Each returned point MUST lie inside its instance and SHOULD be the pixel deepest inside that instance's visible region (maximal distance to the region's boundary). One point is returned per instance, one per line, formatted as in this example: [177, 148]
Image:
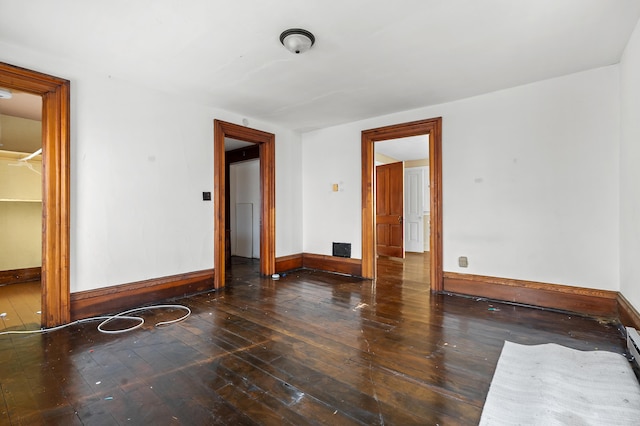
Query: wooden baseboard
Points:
[17, 276]
[629, 316]
[341, 265]
[320, 262]
[593, 302]
[289, 263]
[587, 301]
[118, 298]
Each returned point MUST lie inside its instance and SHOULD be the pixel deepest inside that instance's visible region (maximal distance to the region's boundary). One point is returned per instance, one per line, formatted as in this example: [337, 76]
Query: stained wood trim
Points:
[629, 316]
[554, 296]
[117, 298]
[55, 94]
[268, 213]
[219, 199]
[289, 263]
[326, 263]
[432, 127]
[368, 208]
[435, 182]
[319, 262]
[17, 276]
[222, 129]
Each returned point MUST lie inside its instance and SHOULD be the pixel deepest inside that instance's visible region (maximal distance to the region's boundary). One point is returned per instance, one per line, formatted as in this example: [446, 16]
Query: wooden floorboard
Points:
[311, 348]
[21, 304]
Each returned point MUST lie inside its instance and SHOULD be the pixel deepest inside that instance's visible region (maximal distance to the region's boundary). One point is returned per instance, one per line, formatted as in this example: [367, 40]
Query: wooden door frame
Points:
[432, 127]
[266, 141]
[55, 93]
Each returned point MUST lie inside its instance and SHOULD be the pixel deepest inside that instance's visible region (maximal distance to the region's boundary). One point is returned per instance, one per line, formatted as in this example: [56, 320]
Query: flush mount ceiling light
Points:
[297, 40]
[5, 94]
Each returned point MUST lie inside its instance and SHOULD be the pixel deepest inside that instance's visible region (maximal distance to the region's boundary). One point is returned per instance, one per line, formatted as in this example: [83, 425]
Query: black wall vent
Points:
[342, 249]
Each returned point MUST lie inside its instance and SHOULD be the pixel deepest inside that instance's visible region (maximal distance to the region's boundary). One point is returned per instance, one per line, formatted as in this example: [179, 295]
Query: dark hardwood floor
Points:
[310, 348]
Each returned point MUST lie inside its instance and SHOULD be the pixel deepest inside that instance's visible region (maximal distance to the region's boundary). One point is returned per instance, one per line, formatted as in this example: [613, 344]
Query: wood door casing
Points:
[390, 210]
[55, 92]
[266, 143]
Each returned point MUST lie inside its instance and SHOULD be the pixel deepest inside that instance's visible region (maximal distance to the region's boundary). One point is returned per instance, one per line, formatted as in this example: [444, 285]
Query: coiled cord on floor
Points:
[108, 319]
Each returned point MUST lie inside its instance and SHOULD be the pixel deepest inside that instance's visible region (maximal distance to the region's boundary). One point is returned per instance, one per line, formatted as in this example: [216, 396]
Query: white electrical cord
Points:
[107, 319]
[24, 161]
[30, 156]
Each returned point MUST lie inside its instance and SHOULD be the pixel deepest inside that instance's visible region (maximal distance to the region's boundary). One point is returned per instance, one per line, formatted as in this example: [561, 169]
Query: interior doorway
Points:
[432, 128]
[266, 146]
[20, 210]
[243, 213]
[409, 199]
[54, 92]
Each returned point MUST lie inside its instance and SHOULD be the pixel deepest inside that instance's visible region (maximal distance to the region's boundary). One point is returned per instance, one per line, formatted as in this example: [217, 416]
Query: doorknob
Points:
[399, 219]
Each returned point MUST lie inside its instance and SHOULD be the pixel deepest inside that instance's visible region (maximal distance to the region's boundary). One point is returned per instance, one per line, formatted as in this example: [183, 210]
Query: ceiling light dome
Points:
[297, 40]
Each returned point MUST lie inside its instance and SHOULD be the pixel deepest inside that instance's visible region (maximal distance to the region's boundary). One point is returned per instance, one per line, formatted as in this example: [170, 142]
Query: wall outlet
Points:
[463, 262]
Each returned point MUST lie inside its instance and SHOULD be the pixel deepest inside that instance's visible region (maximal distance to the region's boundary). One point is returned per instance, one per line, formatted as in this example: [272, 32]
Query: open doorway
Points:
[54, 93]
[409, 198]
[266, 146]
[20, 210]
[243, 214]
[432, 128]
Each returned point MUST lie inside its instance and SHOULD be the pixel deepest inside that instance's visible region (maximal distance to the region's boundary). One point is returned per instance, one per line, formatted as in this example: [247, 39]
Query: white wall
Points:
[288, 191]
[331, 156]
[140, 160]
[630, 171]
[530, 181]
[244, 182]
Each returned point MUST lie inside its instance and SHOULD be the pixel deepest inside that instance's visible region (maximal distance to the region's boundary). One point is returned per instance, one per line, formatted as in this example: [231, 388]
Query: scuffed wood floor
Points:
[310, 348]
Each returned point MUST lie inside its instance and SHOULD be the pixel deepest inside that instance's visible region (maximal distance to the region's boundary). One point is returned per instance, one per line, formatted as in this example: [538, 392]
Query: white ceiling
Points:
[405, 149]
[370, 58]
[23, 105]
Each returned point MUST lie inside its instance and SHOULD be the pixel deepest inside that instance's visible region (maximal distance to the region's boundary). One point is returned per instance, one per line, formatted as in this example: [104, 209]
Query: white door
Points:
[244, 230]
[413, 209]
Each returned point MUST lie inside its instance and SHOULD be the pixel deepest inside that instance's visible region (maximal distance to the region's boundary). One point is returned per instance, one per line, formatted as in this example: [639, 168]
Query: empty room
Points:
[287, 212]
